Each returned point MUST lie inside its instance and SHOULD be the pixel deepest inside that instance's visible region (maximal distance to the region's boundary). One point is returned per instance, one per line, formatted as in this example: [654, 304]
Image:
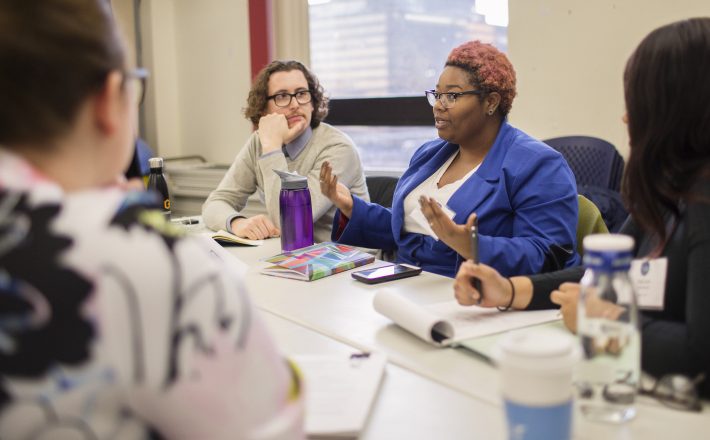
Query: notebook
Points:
[225, 238]
[447, 322]
[340, 390]
[317, 261]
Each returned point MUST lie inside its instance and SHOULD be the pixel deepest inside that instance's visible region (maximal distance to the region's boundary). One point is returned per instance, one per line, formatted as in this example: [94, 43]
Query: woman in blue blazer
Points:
[522, 191]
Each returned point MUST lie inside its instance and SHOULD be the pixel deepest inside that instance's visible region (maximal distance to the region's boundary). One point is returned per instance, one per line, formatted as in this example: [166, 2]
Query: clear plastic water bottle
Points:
[296, 213]
[608, 328]
[157, 183]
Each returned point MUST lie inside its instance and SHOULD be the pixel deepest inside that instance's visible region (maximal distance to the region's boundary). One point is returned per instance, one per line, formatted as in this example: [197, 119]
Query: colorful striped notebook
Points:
[317, 261]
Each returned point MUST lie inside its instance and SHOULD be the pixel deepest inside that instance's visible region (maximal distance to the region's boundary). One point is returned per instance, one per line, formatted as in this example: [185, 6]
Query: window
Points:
[367, 50]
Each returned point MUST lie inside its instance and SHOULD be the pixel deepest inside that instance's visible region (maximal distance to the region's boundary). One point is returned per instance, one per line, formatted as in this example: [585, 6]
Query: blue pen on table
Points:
[474, 256]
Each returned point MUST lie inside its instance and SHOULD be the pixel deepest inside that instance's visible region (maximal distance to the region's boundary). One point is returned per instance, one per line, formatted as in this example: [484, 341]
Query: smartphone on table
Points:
[386, 273]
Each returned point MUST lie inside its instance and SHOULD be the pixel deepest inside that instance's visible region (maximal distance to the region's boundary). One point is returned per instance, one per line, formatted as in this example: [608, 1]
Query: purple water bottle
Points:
[296, 213]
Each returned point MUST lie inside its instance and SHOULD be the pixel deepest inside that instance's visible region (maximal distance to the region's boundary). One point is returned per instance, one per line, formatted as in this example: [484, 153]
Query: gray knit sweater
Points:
[250, 173]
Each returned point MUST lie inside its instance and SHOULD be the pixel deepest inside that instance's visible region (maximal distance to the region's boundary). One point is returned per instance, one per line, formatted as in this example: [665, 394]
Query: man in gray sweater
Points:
[286, 104]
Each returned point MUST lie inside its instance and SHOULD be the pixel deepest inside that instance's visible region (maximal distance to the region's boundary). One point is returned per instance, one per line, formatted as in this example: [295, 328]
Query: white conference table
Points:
[407, 406]
[340, 308]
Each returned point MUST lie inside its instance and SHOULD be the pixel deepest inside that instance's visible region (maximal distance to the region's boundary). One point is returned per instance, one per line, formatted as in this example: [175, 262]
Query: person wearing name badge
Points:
[667, 189]
[286, 105]
[522, 191]
[112, 324]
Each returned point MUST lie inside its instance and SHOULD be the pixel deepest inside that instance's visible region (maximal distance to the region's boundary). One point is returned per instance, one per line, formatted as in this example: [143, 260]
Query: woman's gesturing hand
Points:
[457, 237]
[336, 192]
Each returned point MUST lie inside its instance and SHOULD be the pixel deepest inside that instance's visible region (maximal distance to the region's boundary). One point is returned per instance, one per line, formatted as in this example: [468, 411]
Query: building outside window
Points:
[363, 50]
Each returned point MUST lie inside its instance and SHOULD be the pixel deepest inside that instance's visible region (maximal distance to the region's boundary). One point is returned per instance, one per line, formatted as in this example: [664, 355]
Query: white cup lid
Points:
[541, 349]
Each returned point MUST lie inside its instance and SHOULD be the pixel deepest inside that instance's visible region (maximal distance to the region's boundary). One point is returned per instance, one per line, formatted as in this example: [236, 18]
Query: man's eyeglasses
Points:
[284, 99]
[448, 99]
[141, 75]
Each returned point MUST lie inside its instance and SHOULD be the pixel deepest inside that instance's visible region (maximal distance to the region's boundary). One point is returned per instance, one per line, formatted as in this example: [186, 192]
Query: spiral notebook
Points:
[446, 323]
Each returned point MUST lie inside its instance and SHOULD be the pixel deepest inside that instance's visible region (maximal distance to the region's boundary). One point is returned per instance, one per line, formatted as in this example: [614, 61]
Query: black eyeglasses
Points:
[676, 391]
[284, 99]
[672, 390]
[448, 99]
[141, 75]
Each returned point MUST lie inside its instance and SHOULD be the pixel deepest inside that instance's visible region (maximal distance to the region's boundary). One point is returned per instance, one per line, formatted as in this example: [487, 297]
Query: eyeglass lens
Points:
[447, 99]
[139, 90]
[137, 78]
[284, 99]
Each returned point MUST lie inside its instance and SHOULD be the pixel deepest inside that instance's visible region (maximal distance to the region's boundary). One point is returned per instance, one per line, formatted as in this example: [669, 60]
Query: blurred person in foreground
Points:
[112, 325]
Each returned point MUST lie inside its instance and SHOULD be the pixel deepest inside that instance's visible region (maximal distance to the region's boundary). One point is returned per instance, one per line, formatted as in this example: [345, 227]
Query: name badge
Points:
[649, 280]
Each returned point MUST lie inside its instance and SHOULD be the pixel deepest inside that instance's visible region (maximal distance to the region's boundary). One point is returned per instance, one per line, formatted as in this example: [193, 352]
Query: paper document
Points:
[340, 389]
[219, 253]
[225, 238]
[447, 322]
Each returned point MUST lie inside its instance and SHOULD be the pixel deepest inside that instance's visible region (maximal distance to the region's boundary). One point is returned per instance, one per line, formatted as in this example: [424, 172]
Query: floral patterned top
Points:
[113, 325]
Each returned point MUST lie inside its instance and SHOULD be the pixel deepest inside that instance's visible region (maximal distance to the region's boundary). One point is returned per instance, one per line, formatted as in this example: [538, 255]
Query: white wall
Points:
[214, 67]
[198, 55]
[569, 57]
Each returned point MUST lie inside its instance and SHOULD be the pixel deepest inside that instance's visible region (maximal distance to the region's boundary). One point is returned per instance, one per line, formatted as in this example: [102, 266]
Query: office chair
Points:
[608, 202]
[381, 189]
[593, 161]
[139, 164]
[589, 221]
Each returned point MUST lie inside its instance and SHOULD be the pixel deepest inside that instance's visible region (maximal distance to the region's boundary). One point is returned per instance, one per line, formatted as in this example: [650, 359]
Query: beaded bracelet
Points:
[512, 297]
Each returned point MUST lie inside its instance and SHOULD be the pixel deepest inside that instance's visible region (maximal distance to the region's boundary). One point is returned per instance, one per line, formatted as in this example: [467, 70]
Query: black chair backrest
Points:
[593, 161]
[381, 189]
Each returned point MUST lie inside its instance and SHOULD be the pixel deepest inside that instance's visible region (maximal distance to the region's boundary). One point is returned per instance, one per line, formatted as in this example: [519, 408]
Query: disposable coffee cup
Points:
[536, 383]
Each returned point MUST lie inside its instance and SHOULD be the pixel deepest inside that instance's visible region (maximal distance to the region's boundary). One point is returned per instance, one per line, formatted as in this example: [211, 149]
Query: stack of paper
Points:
[340, 391]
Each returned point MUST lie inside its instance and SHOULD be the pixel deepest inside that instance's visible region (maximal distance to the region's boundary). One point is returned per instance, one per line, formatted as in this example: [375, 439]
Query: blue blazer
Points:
[525, 197]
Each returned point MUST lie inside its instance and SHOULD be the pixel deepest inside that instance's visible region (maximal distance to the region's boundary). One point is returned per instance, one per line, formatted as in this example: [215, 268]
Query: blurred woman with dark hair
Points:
[112, 325]
[667, 192]
[522, 191]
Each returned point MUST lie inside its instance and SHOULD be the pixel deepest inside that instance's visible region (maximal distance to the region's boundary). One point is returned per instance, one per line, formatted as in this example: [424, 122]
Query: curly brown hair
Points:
[256, 102]
[489, 70]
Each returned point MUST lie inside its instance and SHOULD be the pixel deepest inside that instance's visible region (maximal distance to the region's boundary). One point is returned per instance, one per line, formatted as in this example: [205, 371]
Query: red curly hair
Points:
[489, 70]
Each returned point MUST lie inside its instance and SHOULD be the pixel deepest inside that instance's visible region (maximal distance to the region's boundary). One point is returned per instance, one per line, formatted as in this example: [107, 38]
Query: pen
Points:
[357, 358]
[190, 221]
[474, 256]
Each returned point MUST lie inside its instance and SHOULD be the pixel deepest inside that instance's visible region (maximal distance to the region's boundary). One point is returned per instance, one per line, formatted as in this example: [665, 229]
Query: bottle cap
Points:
[155, 162]
[292, 180]
[608, 242]
[608, 252]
